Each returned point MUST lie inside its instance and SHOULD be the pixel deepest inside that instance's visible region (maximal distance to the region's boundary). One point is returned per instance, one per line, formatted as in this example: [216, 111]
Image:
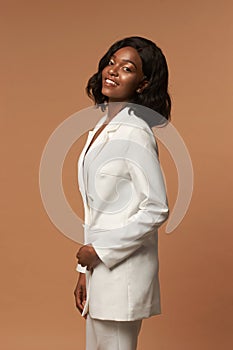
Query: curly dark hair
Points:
[155, 96]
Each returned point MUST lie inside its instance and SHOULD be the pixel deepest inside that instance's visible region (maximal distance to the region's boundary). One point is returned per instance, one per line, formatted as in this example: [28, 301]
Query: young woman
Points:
[124, 196]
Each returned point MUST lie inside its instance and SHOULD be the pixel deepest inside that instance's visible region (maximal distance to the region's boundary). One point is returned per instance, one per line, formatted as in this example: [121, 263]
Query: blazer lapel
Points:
[80, 166]
[102, 138]
[90, 136]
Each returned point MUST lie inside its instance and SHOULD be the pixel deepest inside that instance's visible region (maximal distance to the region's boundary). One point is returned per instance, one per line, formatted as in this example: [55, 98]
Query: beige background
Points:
[48, 51]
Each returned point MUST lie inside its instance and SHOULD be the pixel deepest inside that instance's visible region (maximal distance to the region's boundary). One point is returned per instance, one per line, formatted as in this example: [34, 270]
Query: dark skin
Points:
[121, 79]
[80, 292]
[86, 257]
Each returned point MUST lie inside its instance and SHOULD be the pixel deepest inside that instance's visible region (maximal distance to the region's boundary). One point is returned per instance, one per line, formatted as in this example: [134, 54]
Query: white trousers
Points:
[111, 335]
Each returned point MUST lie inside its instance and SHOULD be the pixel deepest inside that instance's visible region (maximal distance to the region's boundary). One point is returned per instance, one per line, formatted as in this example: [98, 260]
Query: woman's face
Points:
[123, 75]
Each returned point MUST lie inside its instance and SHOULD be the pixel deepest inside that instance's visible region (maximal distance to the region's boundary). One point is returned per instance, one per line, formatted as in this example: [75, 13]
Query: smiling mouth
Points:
[110, 82]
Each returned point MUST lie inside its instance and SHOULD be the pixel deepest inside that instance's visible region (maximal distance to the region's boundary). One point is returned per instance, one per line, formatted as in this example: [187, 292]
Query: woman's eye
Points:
[127, 69]
[110, 62]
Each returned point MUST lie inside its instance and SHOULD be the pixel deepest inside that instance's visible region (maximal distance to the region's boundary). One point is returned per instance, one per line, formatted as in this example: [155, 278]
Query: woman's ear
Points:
[142, 86]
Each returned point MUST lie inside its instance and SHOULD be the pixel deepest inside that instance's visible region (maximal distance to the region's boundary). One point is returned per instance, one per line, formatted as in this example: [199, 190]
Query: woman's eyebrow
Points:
[128, 61]
[125, 60]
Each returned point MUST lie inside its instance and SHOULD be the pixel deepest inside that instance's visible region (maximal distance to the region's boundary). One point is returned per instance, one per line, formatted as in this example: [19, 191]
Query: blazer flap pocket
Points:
[115, 167]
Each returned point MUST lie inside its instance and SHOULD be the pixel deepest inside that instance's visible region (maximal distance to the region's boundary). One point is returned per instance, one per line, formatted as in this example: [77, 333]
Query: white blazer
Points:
[125, 202]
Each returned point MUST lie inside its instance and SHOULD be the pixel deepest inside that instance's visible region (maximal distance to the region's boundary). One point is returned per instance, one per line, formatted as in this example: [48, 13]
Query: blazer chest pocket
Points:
[112, 185]
[115, 167]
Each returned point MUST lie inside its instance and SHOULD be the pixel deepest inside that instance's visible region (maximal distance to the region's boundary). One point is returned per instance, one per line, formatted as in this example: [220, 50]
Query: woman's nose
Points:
[113, 70]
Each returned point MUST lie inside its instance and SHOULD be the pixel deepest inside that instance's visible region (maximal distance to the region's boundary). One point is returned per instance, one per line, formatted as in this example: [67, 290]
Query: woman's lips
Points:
[110, 82]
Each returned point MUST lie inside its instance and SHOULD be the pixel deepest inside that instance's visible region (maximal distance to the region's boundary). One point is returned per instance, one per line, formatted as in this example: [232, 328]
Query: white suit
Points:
[125, 202]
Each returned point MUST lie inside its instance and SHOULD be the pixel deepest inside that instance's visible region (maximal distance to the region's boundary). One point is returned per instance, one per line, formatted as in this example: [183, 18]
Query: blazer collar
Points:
[115, 122]
[120, 118]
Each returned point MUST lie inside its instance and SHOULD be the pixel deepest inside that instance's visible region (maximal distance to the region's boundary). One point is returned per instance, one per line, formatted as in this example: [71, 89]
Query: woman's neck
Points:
[113, 109]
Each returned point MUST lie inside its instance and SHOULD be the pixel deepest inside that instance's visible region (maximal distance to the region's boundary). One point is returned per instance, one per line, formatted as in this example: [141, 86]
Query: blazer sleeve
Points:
[81, 268]
[115, 245]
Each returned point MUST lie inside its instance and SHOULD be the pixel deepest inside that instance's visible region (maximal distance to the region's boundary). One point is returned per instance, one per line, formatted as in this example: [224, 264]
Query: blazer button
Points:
[90, 197]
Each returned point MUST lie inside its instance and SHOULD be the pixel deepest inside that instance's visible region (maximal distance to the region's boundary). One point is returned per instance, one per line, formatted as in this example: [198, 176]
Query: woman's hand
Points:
[87, 257]
[80, 292]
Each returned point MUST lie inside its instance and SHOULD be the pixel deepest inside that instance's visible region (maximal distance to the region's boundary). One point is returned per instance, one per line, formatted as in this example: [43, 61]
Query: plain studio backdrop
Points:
[49, 49]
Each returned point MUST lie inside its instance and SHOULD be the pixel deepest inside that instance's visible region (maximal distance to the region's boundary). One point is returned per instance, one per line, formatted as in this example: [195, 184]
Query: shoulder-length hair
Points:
[154, 66]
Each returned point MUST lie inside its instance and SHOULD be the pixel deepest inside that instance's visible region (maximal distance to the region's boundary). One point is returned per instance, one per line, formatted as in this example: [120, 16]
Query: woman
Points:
[124, 196]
